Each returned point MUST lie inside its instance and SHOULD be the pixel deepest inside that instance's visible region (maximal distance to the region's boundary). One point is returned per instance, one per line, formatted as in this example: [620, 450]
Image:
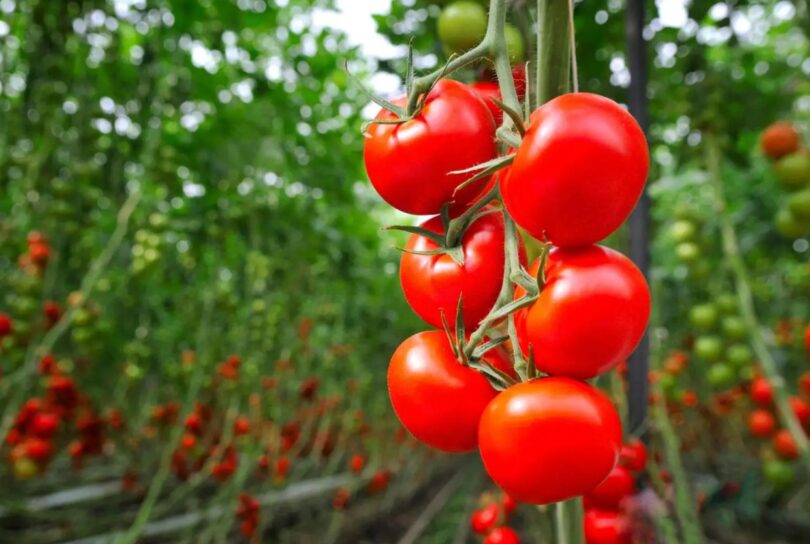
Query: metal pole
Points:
[639, 362]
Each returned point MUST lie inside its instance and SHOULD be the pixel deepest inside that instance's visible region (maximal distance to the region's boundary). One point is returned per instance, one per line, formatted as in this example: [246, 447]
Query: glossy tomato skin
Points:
[761, 423]
[409, 163]
[590, 315]
[549, 439]
[488, 90]
[604, 527]
[610, 493]
[433, 283]
[579, 171]
[436, 398]
[502, 535]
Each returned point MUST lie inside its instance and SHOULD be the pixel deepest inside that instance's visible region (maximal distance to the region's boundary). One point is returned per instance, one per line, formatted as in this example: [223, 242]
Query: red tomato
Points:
[6, 325]
[519, 76]
[779, 139]
[433, 283]
[502, 535]
[488, 90]
[801, 409]
[485, 519]
[590, 315]
[409, 163]
[633, 455]
[578, 172]
[761, 392]
[509, 504]
[807, 340]
[614, 488]
[761, 423]
[436, 398]
[606, 528]
[581, 435]
[785, 446]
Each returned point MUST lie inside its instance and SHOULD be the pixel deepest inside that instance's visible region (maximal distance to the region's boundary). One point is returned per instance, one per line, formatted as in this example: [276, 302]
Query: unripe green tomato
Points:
[778, 473]
[699, 270]
[799, 204]
[720, 375]
[708, 348]
[793, 171]
[687, 252]
[734, 327]
[746, 373]
[82, 317]
[788, 224]
[24, 306]
[462, 26]
[25, 468]
[682, 230]
[667, 383]
[739, 355]
[726, 303]
[81, 335]
[685, 210]
[703, 316]
[514, 44]
[158, 220]
[133, 371]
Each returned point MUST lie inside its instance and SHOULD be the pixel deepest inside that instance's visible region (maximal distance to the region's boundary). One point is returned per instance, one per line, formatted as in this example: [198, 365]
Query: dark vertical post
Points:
[640, 219]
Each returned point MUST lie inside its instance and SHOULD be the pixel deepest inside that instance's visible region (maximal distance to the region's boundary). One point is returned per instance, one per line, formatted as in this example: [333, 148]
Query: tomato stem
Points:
[552, 70]
[569, 522]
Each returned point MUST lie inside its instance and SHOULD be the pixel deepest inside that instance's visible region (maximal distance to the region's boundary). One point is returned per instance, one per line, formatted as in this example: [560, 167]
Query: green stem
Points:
[568, 519]
[459, 225]
[553, 68]
[496, 39]
[733, 256]
[684, 502]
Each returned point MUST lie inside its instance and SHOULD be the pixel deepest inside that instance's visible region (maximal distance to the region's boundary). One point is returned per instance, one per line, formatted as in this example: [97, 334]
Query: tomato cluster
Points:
[491, 518]
[782, 144]
[543, 433]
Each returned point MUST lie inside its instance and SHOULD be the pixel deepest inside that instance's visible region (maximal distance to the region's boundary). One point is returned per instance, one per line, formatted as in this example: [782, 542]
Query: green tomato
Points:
[703, 316]
[793, 171]
[746, 373]
[788, 224]
[462, 26]
[709, 348]
[734, 327]
[682, 230]
[799, 204]
[720, 375]
[684, 209]
[726, 302]
[778, 473]
[699, 270]
[739, 355]
[514, 44]
[687, 252]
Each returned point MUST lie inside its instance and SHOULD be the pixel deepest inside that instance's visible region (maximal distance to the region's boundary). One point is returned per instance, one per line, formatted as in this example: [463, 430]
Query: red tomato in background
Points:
[436, 398]
[502, 535]
[785, 446]
[614, 488]
[549, 439]
[590, 315]
[433, 283]
[761, 392]
[578, 172]
[603, 527]
[807, 340]
[633, 455]
[801, 409]
[409, 163]
[485, 519]
[488, 90]
[761, 423]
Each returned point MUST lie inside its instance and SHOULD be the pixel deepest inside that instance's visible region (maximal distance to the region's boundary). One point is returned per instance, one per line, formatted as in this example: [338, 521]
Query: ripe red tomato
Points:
[590, 315]
[801, 409]
[509, 504]
[761, 423]
[488, 90]
[409, 163]
[502, 535]
[436, 398]
[485, 519]
[761, 392]
[581, 435]
[779, 139]
[433, 283]
[603, 527]
[578, 172]
[785, 446]
[609, 494]
[633, 455]
[6, 325]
